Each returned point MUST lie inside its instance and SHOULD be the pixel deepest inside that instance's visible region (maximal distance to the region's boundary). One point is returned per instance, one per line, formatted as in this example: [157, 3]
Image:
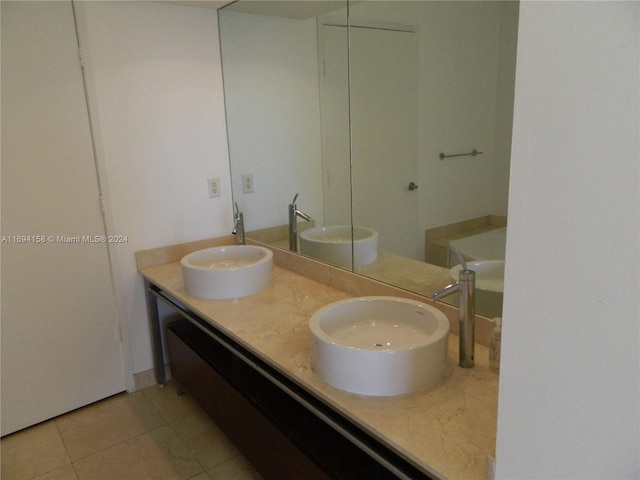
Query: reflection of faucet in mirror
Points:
[294, 213]
[238, 226]
[466, 286]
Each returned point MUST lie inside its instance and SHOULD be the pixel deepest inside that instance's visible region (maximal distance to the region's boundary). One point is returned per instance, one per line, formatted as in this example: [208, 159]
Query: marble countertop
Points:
[448, 430]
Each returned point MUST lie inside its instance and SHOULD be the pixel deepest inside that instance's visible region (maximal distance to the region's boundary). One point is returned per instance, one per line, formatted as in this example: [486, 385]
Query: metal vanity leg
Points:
[156, 335]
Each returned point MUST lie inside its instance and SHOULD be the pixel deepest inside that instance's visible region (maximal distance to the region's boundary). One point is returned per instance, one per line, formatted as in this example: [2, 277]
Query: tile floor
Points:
[149, 434]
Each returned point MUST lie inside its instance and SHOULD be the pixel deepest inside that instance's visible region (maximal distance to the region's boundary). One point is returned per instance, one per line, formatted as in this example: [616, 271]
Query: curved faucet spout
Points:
[238, 226]
[294, 213]
[303, 215]
[445, 291]
[460, 257]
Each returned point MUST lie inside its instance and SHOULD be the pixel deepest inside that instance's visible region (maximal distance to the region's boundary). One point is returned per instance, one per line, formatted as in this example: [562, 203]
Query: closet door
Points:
[60, 343]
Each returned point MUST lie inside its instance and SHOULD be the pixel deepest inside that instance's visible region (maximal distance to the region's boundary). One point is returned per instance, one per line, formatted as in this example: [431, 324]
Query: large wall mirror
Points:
[389, 122]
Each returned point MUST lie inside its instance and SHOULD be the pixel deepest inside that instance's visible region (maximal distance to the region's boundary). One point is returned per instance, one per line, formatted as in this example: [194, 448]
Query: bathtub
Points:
[482, 246]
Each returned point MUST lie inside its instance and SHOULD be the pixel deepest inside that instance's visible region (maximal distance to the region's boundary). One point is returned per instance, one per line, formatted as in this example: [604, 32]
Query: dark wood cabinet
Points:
[265, 444]
[281, 428]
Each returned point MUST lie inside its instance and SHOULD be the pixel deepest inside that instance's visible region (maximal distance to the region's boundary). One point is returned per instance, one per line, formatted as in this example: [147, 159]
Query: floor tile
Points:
[237, 468]
[64, 473]
[127, 436]
[205, 440]
[107, 423]
[171, 405]
[32, 452]
[202, 476]
[155, 455]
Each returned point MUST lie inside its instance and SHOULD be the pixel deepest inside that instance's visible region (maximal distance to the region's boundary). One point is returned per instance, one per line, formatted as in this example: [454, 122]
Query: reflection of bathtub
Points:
[476, 248]
[482, 246]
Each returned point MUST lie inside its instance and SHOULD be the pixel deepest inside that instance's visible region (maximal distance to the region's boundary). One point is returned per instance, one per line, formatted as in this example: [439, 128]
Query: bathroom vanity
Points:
[247, 362]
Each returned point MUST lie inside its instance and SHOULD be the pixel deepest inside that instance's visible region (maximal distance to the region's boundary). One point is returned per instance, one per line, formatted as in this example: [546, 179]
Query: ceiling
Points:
[299, 9]
[214, 4]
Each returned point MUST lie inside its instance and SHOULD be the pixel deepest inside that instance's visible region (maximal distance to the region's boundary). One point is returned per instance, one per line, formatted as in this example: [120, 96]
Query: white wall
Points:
[507, 41]
[158, 111]
[273, 112]
[458, 54]
[570, 377]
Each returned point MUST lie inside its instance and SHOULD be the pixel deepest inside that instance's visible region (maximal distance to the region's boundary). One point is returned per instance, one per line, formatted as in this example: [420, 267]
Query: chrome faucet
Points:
[466, 285]
[238, 226]
[294, 213]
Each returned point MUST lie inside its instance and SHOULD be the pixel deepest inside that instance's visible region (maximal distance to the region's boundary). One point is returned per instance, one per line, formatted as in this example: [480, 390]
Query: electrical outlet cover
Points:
[214, 187]
[247, 183]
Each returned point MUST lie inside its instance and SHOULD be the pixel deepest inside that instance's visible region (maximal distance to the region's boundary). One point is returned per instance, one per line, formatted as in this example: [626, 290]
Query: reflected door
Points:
[384, 130]
[381, 77]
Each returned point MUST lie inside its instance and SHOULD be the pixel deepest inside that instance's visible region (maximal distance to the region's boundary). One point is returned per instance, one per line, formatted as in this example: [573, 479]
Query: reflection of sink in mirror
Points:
[379, 346]
[332, 244]
[227, 272]
[489, 285]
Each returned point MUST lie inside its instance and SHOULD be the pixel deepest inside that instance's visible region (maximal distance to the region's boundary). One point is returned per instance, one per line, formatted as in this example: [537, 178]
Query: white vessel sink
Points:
[379, 346]
[333, 245]
[227, 272]
[489, 285]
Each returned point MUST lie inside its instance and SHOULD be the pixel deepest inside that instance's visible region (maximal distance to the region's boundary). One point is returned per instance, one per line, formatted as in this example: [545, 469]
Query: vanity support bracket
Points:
[156, 332]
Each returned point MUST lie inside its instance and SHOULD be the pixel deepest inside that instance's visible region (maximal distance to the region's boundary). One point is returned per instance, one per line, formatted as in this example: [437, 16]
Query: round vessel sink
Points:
[489, 284]
[333, 245]
[227, 272]
[380, 346]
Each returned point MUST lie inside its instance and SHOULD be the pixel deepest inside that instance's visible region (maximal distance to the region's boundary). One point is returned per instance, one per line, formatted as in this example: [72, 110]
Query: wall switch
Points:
[214, 187]
[247, 183]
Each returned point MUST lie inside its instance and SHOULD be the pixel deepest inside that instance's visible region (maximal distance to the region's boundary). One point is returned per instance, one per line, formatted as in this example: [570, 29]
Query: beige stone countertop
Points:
[449, 429]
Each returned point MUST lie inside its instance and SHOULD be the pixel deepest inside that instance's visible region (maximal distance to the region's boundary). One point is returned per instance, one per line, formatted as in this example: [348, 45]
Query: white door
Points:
[384, 135]
[373, 95]
[60, 344]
